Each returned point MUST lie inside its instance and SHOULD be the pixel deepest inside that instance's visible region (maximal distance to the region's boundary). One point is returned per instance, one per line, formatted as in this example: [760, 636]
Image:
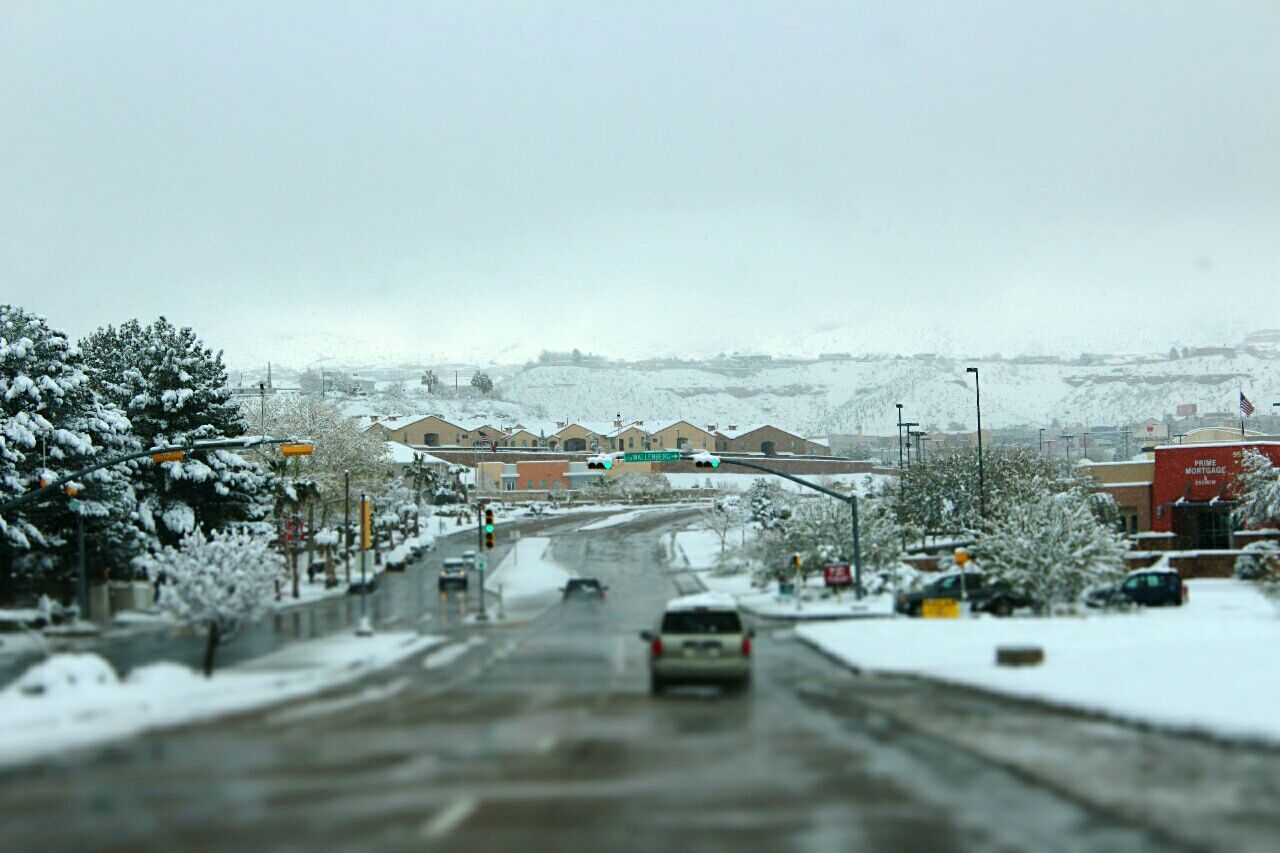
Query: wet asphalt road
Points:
[542, 736]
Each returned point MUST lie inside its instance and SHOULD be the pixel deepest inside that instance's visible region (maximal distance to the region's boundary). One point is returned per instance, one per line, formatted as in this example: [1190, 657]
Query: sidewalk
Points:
[74, 701]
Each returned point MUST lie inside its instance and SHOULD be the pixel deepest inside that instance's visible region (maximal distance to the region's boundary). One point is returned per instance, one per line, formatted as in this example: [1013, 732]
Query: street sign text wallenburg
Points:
[652, 456]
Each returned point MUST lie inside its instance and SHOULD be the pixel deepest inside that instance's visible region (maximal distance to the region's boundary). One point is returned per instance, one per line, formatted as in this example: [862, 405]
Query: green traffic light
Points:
[715, 462]
[608, 464]
[488, 528]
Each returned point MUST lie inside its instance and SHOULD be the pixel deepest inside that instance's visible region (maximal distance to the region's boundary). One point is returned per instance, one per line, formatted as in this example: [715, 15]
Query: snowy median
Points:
[76, 700]
[527, 578]
[1207, 666]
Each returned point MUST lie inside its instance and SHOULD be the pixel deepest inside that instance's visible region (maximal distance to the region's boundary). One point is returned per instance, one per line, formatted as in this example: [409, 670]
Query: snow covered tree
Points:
[881, 536]
[340, 446]
[217, 582]
[174, 391]
[939, 494]
[634, 486]
[1259, 562]
[1258, 489]
[819, 529]
[481, 382]
[1051, 548]
[722, 516]
[767, 503]
[51, 425]
[430, 380]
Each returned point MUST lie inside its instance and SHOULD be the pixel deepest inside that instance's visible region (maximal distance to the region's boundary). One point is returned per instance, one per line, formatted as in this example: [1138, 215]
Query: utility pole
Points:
[1042, 439]
[262, 409]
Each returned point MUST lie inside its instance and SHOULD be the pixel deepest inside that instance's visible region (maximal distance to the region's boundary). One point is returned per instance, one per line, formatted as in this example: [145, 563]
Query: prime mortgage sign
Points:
[1186, 475]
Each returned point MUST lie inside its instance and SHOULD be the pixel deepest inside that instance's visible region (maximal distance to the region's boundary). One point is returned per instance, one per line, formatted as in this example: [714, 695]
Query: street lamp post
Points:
[906, 429]
[1042, 439]
[1084, 445]
[982, 487]
[899, 405]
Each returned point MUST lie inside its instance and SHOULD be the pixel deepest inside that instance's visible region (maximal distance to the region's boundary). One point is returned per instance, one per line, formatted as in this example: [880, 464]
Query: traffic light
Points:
[795, 561]
[703, 459]
[599, 462]
[488, 528]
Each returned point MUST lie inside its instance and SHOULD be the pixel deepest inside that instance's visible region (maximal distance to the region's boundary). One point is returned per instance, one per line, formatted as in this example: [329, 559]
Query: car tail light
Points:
[655, 647]
[746, 647]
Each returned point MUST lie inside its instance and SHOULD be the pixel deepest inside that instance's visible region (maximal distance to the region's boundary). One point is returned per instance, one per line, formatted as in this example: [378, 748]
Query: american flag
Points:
[1246, 408]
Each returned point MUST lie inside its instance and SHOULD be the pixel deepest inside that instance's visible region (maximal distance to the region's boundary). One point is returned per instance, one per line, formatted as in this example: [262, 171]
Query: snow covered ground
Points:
[76, 700]
[527, 578]
[1209, 665]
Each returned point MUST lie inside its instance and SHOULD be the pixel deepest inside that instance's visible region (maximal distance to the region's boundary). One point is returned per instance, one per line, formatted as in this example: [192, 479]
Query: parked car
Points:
[984, 594]
[454, 574]
[584, 589]
[700, 640]
[1161, 587]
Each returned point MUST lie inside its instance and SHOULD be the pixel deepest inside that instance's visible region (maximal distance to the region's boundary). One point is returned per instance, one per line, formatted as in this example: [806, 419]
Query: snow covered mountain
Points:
[840, 395]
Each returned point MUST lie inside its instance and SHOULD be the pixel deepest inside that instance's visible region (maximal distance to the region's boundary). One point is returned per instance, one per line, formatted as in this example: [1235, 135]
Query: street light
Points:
[899, 405]
[1084, 445]
[907, 425]
[982, 486]
[919, 435]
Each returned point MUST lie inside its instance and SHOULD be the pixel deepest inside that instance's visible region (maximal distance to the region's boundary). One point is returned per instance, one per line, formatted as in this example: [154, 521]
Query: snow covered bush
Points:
[216, 582]
[64, 673]
[881, 534]
[1051, 549]
[1258, 489]
[818, 529]
[174, 391]
[52, 424]
[1259, 562]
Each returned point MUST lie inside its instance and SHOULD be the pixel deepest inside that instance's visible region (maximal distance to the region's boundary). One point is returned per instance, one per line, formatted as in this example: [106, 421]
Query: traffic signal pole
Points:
[851, 500]
[481, 616]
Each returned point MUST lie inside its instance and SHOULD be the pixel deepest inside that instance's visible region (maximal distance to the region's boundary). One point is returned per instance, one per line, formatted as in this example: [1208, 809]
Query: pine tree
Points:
[174, 391]
[53, 424]
[1258, 489]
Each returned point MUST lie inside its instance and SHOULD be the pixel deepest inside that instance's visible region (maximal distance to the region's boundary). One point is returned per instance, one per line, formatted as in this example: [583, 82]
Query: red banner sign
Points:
[837, 574]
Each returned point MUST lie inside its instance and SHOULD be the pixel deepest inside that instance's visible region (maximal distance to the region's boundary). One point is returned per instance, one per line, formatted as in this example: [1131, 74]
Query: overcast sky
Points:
[458, 179]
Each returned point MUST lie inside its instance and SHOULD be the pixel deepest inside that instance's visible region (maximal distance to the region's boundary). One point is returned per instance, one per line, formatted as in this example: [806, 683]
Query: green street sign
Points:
[652, 456]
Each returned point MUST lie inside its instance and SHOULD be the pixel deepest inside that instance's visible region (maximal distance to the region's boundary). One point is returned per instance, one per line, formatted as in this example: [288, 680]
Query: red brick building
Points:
[1192, 493]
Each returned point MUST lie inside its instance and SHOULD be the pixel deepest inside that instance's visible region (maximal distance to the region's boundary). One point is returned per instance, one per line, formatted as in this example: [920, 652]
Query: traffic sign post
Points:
[652, 456]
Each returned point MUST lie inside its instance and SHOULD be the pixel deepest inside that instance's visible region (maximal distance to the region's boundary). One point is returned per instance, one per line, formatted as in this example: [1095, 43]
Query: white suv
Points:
[700, 640]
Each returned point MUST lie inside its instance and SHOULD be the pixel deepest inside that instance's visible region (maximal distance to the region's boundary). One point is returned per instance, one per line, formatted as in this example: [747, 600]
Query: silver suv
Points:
[700, 640]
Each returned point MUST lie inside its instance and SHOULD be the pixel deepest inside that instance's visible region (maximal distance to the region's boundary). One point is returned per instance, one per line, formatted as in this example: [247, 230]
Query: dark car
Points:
[1145, 587]
[454, 574]
[984, 594]
[583, 589]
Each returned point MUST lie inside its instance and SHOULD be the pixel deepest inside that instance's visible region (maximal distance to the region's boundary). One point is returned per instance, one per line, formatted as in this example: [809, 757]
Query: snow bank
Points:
[1203, 666]
[71, 701]
[527, 571]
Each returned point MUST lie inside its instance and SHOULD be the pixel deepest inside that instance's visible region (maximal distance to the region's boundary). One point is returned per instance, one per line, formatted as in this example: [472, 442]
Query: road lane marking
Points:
[449, 818]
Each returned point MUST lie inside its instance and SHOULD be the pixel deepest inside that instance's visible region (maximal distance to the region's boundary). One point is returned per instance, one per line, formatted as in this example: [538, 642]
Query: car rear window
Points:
[701, 622]
[588, 584]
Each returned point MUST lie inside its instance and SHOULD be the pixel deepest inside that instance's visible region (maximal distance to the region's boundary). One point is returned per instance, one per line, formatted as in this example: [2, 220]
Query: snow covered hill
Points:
[845, 395]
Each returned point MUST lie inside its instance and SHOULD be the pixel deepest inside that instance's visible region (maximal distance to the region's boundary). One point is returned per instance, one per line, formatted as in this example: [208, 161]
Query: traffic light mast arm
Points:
[56, 487]
[806, 483]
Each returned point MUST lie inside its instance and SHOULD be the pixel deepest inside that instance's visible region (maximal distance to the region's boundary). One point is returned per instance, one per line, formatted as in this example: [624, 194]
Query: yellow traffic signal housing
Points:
[168, 456]
[366, 524]
[297, 449]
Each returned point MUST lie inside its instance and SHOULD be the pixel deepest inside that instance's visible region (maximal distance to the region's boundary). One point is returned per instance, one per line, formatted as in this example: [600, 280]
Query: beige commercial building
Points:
[682, 435]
